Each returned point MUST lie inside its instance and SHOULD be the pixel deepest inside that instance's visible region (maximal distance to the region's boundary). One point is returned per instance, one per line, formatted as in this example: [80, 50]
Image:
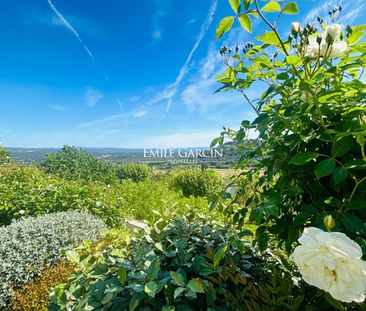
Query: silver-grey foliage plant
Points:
[29, 245]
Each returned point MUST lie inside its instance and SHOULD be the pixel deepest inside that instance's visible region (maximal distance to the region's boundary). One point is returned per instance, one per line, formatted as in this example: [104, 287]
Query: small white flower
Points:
[333, 31]
[332, 261]
[295, 27]
[337, 49]
[22, 212]
[98, 204]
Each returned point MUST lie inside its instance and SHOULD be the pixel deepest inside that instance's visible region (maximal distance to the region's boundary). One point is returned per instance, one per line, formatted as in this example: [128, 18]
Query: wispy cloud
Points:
[139, 113]
[172, 89]
[76, 34]
[101, 121]
[92, 97]
[351, 10]
[86, 48]
[162, 9]
[57, 107]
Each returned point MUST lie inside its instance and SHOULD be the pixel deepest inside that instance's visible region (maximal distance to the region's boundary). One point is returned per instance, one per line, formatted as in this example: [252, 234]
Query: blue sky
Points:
[122, 73]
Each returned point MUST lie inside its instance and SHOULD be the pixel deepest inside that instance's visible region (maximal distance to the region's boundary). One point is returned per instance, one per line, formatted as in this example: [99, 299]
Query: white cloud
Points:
[161, 10]
[139, 113]
[92, 97]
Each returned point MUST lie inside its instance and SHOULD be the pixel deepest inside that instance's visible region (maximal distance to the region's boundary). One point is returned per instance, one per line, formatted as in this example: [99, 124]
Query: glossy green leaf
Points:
[353, 223]
[153, 270]
[122, 275]
[177, 278]
[342, 146]
[151, 288]
[219, 255]
[303, 158]
[196, 285]
[325, 168]
[178, 291]
[224, 26]
[339, 175]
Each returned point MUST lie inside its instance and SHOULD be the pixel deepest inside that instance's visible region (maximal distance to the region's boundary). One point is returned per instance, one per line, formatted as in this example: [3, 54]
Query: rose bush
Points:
[308, 161]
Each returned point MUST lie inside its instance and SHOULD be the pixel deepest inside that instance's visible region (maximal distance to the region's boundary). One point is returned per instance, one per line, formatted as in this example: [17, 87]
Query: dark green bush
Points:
[185, 263]
[198, 183]
[135, 171]
[72, 163]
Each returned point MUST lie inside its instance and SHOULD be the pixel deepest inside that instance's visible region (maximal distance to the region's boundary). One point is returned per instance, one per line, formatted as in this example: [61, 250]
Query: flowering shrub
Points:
[29, 245]
[310, 153]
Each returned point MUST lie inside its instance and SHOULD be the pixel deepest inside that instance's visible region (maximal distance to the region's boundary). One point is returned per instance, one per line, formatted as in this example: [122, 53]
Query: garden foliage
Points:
[5, 156]
[198, 183]
[135, 171]
[29, 245]
[73, 163]
[311, 123]
[184, 263]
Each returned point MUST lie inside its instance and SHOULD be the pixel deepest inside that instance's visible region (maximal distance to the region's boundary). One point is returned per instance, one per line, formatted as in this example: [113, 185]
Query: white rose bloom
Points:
[333, 31]
[332, 262]
[335, 50]
[295, 27]
[338, 48]
[232, 190]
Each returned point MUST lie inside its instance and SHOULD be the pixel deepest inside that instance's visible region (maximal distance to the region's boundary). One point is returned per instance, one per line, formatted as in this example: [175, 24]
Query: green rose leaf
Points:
[342, 146]
[324, 168]
[245, 22]
[352, 223]
[291, 8]
[303, 158]
[272, 6]
[340, 174]
[235, 5]
[224, 26]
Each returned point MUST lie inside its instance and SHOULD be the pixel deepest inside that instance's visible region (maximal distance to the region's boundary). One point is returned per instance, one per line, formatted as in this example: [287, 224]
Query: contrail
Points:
[87, 50]
[207, 22]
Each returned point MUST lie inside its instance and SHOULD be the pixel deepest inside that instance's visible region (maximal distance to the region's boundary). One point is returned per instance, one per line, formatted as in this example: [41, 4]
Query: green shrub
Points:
[27, 190]
[34, 296]
[5, 156]
[72, 163]
[29, 245]
[199, 183]
[185, 263]
[135, 171]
